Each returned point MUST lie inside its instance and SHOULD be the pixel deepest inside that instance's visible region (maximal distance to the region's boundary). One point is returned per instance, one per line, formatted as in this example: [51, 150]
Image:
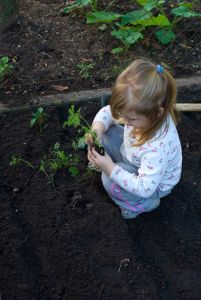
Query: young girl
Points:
[143, 158]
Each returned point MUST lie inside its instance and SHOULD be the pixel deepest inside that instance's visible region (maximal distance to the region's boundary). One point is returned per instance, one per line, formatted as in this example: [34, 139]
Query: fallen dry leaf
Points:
[156, 46]
[146, 43]
[185, 46]
[3, 107]
[87, 59]
[60, 88]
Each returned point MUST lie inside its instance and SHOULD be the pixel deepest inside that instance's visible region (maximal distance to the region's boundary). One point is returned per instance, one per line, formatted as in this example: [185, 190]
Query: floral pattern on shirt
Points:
[159, 161]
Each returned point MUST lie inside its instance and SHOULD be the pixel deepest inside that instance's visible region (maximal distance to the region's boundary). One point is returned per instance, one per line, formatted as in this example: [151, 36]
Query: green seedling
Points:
[58, 160]
[79, 5]
[5, 67]
[50, 164]
[76, 120]
[38, 119]
[18, 160]
[84, 69]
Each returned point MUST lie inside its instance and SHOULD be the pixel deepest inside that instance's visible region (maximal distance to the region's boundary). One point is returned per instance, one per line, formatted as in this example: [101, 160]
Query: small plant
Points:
[38, 119]
[85, 68]
[80, 5]
[76, 120]
[50, 164]
[59, 160]
[5, 67]
[18, 160]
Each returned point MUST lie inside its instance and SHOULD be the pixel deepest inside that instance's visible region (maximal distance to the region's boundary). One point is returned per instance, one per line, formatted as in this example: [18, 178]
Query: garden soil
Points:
[46, 48]
[71, 243]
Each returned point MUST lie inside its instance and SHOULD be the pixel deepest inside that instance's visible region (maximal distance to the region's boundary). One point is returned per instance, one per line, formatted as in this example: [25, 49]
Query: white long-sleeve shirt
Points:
[159, 160]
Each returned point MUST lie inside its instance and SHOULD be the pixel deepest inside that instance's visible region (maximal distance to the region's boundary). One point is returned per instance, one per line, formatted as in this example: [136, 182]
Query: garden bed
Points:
[48, 48]
[70, 242]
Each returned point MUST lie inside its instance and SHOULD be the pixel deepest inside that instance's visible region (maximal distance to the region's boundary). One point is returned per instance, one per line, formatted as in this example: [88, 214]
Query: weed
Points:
[80, 5]
[50, 164]
[5, 67]
[17, 160]
[85, 68]
[113, 71]
[38, 119]
[151, 13]
[58, 160]
[76, 120]
[129, 27]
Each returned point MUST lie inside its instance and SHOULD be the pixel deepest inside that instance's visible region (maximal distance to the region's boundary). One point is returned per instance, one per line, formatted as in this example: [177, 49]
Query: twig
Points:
[22, 242]
[100, 292]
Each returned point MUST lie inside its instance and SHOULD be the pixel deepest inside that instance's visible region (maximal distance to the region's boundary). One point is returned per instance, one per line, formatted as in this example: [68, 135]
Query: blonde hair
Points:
[151, 89]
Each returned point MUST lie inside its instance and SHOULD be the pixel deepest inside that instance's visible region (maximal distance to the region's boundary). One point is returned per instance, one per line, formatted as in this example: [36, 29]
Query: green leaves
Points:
[73, 117]
[165, 36]
[78, 4]
[135, 17]
[4, 60]
[160, 20]
[128, 37]
[73, 171]
[49, 165]
[82, 126]
[85, 68]
[117, 50]
[150, 4]
[184, 10]
[36, 116]
[18, 160]
[131, 26]
[38, 119]
[5, 67]
[101, 17]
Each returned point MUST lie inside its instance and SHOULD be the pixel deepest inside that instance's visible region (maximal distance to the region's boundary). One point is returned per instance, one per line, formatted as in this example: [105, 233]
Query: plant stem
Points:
[109, 5]
[51, 181]
[27, 163]
[83, 119]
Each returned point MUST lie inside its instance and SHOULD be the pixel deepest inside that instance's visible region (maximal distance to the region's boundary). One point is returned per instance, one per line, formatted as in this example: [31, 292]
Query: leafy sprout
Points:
[38, 119]
[58, 160]
[80, 5]
[5, 67]
[85, 68]
[17, 160]
[51, 163]
[76, 120]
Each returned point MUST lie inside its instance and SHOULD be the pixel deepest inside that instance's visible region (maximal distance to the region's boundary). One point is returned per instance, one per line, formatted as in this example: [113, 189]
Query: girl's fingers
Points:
[95, 153]
[92, 152]
[91, 157]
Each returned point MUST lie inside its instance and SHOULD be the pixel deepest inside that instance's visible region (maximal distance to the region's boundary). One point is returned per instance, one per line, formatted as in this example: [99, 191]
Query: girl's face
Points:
[135, 120]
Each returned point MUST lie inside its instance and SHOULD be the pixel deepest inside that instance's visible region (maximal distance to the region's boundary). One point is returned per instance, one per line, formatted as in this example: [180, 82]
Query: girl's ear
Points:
[161, 111]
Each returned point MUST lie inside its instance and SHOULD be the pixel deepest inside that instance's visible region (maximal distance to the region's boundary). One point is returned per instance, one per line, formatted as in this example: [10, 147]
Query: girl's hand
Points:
[104, 163]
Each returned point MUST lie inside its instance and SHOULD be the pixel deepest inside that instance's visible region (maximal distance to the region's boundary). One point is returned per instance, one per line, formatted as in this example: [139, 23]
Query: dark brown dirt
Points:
[71, 243]
[48, 47]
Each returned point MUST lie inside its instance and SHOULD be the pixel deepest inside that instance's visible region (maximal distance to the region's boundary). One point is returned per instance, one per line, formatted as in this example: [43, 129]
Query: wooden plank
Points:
[191, 107]
[188, 106]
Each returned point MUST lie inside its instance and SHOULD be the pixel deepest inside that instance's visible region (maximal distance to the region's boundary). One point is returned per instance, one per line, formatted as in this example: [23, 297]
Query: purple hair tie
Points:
[159, 69]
